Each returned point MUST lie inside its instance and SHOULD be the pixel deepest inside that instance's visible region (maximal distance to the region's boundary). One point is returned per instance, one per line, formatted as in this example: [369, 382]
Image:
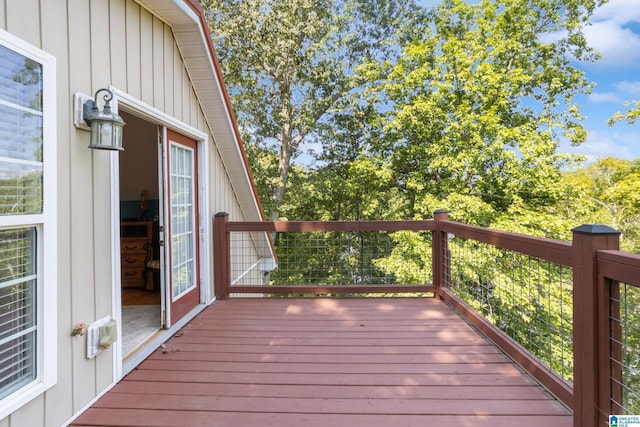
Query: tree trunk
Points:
[286, 151]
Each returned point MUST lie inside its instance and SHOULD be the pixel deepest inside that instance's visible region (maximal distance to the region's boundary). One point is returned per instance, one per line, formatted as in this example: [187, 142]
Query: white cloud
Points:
[619, 47]
[624, 90]
[609, 34]
[606, 144]
[628, 88]
[619, 11]
[604, 97]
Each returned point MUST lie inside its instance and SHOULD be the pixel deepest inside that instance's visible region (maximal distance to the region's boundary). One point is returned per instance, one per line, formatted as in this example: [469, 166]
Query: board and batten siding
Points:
[99, 43]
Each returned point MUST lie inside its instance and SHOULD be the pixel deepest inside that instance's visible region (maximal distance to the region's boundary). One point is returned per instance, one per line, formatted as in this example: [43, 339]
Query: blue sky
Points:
[615, 33]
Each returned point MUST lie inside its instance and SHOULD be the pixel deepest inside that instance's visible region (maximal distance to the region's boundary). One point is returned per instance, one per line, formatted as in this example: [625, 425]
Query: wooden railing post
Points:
[440, 262]
[587, 366]
[221, 255]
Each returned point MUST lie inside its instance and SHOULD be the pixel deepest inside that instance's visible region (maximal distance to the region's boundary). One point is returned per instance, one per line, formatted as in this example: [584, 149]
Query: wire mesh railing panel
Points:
[332, 258]
[250, 258]
[624, 321]
[528, 298]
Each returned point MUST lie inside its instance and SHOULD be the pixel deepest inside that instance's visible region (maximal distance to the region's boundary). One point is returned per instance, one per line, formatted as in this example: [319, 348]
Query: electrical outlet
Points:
[93, 337]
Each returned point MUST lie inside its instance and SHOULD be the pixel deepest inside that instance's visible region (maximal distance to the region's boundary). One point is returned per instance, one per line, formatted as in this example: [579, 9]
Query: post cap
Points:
[595, 229]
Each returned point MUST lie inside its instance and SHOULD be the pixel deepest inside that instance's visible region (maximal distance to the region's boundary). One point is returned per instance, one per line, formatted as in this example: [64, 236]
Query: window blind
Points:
[21, 134]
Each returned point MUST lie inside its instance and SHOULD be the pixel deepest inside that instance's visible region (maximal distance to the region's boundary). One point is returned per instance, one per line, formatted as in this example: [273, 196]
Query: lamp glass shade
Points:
[106, 135]
[106, 126]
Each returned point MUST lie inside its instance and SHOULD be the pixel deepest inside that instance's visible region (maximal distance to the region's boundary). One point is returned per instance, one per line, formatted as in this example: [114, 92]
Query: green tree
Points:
[359, 190]
[476, 108]
[475, 113]
[287, 64]
[264, 170]
[631, 115]
[608, 192]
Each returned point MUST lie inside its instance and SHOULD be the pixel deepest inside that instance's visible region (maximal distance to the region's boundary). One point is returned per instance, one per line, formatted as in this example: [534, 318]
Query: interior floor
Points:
[141, 318]
[136, 296]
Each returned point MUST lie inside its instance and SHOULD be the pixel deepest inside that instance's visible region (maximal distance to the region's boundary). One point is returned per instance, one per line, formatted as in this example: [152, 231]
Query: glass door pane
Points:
[183, 233]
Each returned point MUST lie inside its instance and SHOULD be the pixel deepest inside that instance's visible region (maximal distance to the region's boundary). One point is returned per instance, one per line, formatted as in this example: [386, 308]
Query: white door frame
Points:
[157, 117]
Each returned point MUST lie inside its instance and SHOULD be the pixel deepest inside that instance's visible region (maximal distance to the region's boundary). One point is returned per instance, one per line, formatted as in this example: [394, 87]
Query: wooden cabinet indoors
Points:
[135, 243]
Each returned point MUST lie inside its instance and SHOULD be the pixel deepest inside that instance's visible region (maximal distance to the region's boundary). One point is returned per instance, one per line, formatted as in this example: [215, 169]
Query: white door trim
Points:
[153, 115]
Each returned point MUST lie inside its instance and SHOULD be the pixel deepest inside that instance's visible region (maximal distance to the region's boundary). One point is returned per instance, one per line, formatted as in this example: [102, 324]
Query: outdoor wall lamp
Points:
[106, 126]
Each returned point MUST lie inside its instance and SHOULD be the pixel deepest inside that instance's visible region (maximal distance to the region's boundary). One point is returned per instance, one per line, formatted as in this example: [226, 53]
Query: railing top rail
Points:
[620, 266]
[320, 226]
[556, 251]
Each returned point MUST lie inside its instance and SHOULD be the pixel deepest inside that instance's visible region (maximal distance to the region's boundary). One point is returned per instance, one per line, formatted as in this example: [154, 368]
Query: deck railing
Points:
[313, 258]
[527, 297]
[619, 300]
[567, 312]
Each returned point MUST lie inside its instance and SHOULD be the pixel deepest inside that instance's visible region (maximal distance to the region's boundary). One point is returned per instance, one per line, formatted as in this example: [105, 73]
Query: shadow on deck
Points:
[328, 362]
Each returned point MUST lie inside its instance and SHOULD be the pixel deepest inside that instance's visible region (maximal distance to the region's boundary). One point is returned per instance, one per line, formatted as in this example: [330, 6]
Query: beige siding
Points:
[99, 43]
[81, 233]
[101, 219]
[20, 20]
[146, 57]
[133, 49]
[118, 45]
[158, 63]
[172, 58]
[31, 415]
[57, 408]
[178, 71]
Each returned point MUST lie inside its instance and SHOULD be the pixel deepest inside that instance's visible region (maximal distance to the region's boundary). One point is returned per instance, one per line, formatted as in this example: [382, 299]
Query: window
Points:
[27, 223]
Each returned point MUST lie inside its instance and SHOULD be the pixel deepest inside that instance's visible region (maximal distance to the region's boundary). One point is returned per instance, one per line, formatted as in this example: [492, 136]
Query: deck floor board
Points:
[327, 362]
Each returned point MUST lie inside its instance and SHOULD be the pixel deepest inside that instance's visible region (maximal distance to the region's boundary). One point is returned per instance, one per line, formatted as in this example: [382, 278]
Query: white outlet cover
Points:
[93, 337]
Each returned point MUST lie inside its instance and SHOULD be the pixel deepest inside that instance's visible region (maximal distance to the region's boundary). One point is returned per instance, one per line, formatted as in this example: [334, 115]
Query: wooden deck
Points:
[327, 362]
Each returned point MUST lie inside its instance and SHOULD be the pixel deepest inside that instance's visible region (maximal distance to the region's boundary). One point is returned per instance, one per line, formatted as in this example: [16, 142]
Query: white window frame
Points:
[46, 231]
